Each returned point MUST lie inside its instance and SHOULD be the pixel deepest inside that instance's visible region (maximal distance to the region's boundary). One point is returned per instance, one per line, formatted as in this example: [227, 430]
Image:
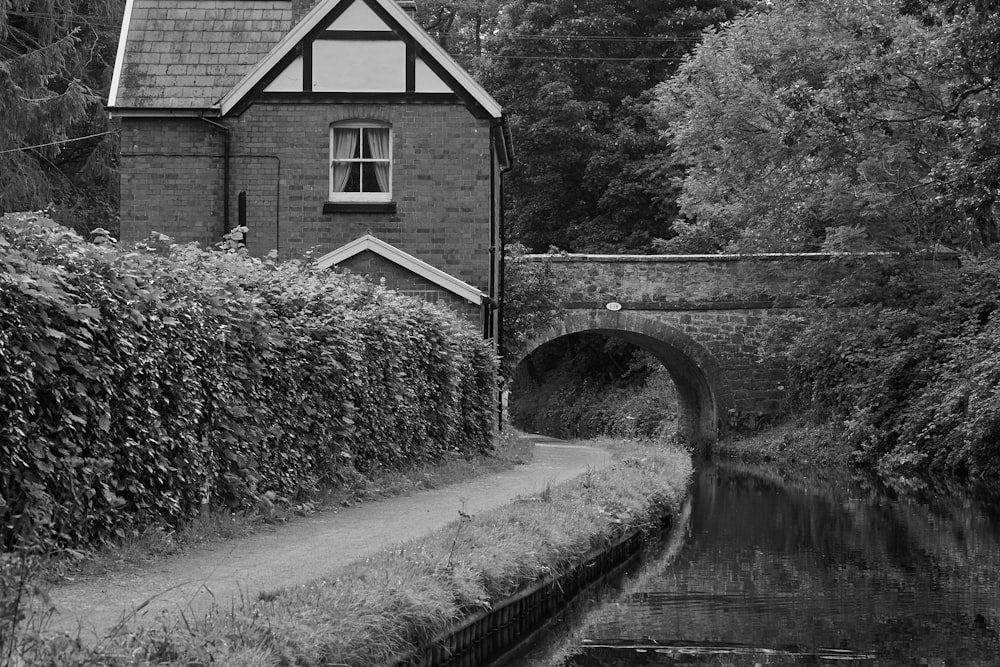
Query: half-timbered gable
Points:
[339, 127]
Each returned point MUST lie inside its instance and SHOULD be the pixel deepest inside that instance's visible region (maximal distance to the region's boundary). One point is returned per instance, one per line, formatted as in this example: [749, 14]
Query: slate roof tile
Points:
[189, 53]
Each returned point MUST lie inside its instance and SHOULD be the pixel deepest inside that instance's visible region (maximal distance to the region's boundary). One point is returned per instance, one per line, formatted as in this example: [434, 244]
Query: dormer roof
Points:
[393, 254]
[212, 57]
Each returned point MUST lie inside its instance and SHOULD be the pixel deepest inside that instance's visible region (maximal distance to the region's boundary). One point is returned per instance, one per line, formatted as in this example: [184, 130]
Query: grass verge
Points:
[164, 541]
[393, 602]
[797, 442]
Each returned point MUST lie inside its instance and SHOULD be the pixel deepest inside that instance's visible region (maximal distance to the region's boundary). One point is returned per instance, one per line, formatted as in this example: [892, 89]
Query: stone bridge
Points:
[704, 317]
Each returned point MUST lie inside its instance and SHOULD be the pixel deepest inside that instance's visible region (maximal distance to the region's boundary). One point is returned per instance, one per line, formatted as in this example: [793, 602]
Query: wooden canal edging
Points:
[494, 636]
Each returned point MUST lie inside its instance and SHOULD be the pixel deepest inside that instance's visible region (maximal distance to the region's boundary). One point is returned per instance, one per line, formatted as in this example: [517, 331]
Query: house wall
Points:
[171, 179]
[441, 183]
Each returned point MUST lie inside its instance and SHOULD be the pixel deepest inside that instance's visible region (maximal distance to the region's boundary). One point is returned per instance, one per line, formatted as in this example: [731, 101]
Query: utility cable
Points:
[54, 143]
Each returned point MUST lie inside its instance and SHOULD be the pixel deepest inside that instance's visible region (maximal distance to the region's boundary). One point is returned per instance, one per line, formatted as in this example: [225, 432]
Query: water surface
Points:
[786, 569]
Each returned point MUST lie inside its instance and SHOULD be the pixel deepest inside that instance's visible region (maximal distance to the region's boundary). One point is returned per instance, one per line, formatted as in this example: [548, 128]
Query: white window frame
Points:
[360, 126]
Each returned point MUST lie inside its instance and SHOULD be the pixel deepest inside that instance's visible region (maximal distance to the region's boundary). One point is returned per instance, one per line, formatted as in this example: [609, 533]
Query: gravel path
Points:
[302, 550]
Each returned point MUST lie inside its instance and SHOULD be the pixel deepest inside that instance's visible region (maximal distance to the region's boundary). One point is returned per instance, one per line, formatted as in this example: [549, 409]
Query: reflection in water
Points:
[794, 571]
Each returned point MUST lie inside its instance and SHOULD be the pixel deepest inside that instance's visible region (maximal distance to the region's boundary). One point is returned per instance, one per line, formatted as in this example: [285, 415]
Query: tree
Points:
[968, 178]
[808, 125]
[460, 26]
[56, 142]
[571, 75]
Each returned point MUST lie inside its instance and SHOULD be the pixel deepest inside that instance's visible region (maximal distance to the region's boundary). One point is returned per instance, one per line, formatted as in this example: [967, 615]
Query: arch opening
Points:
[701, 401]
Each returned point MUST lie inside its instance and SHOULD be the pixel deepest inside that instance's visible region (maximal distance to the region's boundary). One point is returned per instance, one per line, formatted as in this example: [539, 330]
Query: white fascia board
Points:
[120, 55]
[407, 261]
[316, 15]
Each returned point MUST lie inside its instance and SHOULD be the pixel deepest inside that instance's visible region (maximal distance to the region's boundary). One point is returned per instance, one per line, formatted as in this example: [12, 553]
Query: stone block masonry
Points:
[705, 318]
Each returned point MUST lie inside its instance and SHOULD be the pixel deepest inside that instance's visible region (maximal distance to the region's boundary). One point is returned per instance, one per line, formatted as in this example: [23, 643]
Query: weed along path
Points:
[300, 551]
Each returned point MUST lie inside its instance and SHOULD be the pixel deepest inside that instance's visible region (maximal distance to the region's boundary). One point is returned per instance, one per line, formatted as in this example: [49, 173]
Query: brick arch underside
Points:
[695, 372]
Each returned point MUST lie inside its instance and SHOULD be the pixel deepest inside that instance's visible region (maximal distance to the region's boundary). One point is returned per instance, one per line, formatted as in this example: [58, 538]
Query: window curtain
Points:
[378, 144]
[345, 143]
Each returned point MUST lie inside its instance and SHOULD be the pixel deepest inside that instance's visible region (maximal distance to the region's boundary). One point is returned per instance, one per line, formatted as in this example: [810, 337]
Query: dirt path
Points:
[302, 550]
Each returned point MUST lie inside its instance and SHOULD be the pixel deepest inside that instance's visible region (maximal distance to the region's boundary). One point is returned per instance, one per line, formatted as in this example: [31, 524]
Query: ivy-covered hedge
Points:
[909, 363]
[139, 384]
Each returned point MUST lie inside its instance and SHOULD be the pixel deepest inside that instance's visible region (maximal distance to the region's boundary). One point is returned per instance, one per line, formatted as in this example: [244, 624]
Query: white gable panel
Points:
[427, 81]
[359, 16]
[290, 79]
[314, 19]
[357, 66]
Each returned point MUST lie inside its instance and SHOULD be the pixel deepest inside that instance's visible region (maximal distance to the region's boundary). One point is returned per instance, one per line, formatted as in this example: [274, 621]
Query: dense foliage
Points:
[532, 300]
[592, 173]
[57, 146]
[839, 123]
[908, 364]
[139, 385]
[588, 384]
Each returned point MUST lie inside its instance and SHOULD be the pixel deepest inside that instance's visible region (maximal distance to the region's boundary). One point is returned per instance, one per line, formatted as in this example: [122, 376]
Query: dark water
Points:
[781, 569]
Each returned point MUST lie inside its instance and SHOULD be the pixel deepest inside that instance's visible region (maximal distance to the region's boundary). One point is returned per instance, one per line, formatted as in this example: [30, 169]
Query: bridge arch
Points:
[701, 392]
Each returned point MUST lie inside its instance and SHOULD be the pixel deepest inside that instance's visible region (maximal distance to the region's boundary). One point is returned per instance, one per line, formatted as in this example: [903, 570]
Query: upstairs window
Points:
[360, 162]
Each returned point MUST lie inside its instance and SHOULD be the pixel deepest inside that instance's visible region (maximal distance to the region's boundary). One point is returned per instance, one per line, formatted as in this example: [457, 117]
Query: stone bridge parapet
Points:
[705, 318]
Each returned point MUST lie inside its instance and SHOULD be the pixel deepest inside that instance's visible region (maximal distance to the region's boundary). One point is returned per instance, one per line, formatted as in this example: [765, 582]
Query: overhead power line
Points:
[55, 143]
[588, 58]
[594, 38]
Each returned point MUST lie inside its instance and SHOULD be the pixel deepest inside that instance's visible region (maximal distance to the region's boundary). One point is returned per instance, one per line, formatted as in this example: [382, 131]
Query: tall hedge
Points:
[138, 384]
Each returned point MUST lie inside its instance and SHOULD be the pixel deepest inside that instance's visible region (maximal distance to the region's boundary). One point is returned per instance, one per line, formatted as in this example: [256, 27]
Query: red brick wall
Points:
[441, 182]
[171, 180]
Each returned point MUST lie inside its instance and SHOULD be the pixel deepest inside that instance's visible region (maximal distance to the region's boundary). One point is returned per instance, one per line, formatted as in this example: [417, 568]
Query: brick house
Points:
[337, 126]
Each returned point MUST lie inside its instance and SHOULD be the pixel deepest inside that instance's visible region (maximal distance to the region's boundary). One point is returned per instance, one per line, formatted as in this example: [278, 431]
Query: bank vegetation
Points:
[387, 605]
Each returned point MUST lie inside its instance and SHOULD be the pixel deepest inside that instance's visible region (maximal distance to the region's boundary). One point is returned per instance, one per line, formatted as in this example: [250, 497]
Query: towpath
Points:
[302, 550]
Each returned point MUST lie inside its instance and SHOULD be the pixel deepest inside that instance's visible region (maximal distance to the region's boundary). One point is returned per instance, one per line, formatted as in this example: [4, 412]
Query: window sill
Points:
[359, 207]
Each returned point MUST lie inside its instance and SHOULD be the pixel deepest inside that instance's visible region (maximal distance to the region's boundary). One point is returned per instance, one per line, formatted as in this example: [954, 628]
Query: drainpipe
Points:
[488, 331]
[498, 256]
[485, 315]
[226, 142]
[502, 261]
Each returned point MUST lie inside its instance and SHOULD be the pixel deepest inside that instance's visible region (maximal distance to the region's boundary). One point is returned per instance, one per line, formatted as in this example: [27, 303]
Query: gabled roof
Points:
[209, 56]
[405, 260]
[186, 54]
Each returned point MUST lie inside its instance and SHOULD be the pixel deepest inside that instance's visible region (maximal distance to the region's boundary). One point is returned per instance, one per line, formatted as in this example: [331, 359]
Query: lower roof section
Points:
[421, 268]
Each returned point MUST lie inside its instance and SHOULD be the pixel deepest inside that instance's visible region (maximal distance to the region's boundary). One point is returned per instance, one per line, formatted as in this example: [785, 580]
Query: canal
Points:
[779, 568]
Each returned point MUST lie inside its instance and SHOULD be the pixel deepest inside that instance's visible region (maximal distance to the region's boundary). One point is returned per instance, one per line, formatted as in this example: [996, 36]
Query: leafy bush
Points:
[586, 385]
[909, 362]
[532, 301]
[141, 384]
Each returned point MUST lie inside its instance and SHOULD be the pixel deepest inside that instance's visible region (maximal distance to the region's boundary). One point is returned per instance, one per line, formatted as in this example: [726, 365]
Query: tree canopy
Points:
[573, 77]
[787, 125]
[837, 124]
